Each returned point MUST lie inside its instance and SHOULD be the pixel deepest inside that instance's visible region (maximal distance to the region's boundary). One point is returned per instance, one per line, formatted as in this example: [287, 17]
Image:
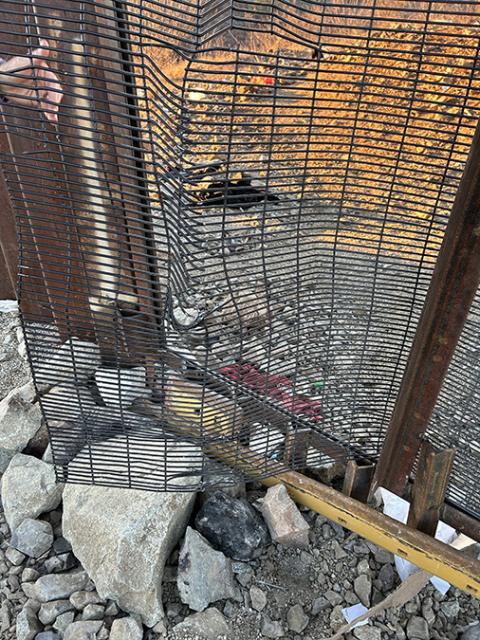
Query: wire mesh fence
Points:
[230, 235]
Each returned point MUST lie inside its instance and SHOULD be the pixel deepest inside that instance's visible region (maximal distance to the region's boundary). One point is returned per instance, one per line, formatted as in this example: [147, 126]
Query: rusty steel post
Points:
[454, 283]
[8, 246]
[429, 488]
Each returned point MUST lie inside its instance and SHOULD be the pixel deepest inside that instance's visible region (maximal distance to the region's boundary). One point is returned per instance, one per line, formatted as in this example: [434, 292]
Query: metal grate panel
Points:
[229, 237]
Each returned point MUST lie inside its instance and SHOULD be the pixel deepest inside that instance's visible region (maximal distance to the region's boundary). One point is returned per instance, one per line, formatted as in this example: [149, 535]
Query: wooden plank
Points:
[429, 488]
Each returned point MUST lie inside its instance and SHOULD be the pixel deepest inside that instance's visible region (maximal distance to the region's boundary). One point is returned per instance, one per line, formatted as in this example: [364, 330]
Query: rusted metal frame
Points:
[144, 321]
[120, 278]
[8, 241]
[425, 552]
[429, 488]
[357, 480]
[460, 521]
[38, 158]
[454, 283]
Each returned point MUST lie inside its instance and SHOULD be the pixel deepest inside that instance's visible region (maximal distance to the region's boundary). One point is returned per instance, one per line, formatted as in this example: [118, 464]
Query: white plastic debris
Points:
[398, 509]
[352, 613]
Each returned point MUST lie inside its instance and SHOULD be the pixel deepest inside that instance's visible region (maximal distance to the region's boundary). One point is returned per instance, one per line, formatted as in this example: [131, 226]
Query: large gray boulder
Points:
[123, 538]
[20, 420]
[28, 489]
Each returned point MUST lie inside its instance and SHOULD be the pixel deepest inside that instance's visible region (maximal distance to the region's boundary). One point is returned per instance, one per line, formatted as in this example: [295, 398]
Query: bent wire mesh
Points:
[227, 241]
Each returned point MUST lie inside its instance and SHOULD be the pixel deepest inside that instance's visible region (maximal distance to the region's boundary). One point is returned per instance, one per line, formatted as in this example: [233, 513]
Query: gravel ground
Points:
[285, 592]
[321, 579]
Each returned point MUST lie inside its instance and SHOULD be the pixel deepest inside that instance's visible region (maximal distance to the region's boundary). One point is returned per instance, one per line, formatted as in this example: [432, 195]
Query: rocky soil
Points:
[92, 563]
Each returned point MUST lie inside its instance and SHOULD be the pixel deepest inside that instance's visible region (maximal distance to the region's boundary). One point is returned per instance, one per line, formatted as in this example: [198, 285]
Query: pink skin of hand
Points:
[29, 82]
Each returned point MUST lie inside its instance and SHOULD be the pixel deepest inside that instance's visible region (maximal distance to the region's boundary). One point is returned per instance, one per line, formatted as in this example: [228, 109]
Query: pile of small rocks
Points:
[80, 562]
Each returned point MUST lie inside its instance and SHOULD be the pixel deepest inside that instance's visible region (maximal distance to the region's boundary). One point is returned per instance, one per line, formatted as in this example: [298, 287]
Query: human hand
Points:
[28, 81]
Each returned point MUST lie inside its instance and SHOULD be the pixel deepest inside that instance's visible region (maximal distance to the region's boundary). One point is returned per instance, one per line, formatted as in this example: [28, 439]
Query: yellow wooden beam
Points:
[186, 403]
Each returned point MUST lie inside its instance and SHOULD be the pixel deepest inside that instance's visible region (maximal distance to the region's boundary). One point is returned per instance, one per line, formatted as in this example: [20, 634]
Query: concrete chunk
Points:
[286, 524]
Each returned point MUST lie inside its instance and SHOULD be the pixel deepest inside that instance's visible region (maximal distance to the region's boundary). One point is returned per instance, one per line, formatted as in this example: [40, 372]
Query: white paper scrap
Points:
[6, 306]
[351, 613]
[398, 508]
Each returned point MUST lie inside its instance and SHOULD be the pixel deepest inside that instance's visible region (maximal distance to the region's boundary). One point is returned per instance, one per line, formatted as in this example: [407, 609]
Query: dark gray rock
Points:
[63, 621]
[386, 575]
[33, 537]
[333, 597]
[272, 628]
[61, 546]
[232, 526]
[63, 562]
[243, 572]
[111, 609]
[319, 605]
[363, 588]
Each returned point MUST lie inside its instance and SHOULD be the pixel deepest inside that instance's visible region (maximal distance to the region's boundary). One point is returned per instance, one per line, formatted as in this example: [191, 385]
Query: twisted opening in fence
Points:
[228, 239]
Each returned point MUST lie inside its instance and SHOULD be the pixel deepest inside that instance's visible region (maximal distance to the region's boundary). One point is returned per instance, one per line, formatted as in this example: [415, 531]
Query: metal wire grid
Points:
[455, 422]
[262, 286]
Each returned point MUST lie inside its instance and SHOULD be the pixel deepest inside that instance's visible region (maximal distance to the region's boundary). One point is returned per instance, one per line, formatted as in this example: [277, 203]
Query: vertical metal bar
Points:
[429, 489]
[8, 245]
[454, 283]
[357, 480]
